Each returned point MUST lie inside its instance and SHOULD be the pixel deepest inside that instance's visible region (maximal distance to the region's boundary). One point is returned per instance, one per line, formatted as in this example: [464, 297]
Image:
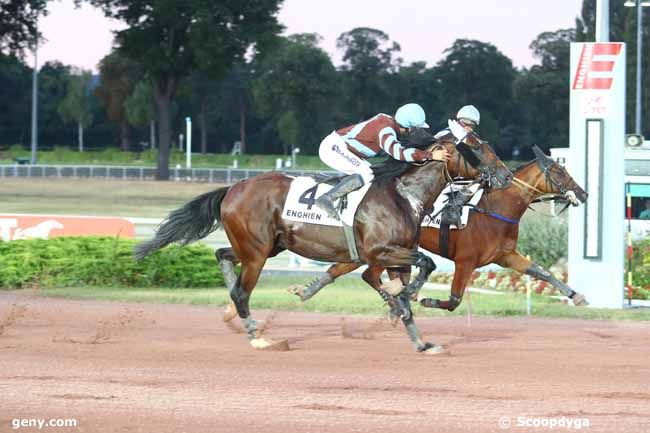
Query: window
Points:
[640, 200]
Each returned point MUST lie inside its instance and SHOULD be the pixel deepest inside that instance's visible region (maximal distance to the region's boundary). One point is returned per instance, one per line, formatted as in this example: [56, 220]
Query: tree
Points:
[52, 88]
[295, 87]
[18, 29]
[15, 86]
[75, 106]
[417, 83]
[368, 56]
[170, 39]
[140, 110]
[542, 92]
[119, 75]
[477, 73]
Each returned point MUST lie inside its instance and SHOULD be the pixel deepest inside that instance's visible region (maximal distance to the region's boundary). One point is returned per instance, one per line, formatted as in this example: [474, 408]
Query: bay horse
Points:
[386, 225]
[490, 235]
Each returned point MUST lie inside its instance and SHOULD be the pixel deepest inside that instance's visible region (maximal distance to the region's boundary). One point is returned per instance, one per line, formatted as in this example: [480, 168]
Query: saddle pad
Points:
[442, 200]
[300, 207]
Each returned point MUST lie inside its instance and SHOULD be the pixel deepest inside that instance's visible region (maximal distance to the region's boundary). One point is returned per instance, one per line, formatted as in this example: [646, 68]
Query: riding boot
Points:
[346, 185]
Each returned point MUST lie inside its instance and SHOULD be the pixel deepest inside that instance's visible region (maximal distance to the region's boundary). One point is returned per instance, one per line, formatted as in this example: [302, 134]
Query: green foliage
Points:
[139, 104]
[147, 158]
[15, 86]
[91, 261]
[542, 92]
[641, 267]
[295, 87]
[544, 238]
[477, 73]
[18, 28]
[76, 104]
[172, 39]
[369, 60]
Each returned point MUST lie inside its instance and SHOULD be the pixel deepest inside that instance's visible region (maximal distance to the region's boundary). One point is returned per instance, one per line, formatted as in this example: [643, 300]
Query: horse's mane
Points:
[524, 165]
[390, 168]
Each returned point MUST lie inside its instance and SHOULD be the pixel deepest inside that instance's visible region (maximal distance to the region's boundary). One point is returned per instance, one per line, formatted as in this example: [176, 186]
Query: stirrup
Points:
[326, 205]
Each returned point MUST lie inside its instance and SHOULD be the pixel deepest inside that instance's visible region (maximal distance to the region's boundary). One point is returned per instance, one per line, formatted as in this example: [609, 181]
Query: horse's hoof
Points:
[264, 344]
[393, 287]
[393, 318]
[431, 349]
[579, 300]
[230, 312]
[297, 290]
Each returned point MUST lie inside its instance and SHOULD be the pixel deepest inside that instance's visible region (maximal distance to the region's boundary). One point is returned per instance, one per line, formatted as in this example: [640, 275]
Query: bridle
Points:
[546, 166]
[487, 171]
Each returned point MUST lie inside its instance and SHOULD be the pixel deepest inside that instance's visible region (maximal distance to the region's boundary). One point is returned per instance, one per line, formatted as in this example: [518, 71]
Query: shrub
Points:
[641, 265]
[544, 238]
[102, 261]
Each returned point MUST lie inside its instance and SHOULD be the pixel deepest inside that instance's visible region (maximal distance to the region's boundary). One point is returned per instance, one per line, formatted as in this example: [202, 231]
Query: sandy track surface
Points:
[117, 367]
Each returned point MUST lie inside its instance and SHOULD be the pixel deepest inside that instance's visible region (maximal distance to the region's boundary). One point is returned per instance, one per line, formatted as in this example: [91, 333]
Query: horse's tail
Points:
[194, 221]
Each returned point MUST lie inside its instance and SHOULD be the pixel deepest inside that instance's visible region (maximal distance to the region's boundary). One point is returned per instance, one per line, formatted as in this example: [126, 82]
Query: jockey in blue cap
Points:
[347, 150]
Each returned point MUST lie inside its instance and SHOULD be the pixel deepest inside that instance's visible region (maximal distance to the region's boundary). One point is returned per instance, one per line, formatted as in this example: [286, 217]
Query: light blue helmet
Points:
[411, 116]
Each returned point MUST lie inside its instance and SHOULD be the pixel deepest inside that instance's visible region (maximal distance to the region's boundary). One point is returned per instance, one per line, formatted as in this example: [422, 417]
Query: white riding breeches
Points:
[334, 152]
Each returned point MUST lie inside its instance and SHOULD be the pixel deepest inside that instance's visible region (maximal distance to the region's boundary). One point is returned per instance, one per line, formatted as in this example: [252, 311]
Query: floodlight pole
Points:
[639, 72]
[35, 104]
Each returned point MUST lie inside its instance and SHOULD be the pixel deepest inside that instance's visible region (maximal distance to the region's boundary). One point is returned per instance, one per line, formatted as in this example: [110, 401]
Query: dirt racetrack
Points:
[116, 367]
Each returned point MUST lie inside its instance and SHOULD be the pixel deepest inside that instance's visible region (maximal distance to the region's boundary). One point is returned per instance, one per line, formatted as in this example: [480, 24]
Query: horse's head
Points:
[475, 158]
[554, 179]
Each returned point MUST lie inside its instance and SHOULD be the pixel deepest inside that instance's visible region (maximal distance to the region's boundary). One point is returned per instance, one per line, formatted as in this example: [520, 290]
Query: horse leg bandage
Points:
[536, 271]
[315, 286]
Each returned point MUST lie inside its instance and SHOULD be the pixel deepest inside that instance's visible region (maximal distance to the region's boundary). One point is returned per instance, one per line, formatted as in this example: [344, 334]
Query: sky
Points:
[423, 28]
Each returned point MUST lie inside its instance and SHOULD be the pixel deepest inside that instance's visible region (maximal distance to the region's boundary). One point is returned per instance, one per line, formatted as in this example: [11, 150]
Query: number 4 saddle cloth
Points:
[303, 193]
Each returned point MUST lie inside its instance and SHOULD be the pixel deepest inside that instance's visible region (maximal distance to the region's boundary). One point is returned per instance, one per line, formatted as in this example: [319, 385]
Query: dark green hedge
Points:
[102, 261]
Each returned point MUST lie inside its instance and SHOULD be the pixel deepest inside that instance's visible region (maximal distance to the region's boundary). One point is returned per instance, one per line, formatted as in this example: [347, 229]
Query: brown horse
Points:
[386, 226]
[490, 236]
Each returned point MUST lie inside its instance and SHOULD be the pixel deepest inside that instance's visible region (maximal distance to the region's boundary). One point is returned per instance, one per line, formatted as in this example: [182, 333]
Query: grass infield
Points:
[349, 296]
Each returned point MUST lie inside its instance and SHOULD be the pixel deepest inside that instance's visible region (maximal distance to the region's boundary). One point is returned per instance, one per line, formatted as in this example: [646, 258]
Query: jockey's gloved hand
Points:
[441, 154]
[457, 130]
[422, 155]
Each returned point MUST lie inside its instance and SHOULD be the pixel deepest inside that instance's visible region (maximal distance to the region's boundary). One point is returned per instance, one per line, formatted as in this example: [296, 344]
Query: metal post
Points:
[188, 133]
[602, 21]
[639, 74]
[34, 104]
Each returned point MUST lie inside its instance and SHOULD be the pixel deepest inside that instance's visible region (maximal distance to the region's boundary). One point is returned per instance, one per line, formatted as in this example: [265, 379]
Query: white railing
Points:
[212, 175]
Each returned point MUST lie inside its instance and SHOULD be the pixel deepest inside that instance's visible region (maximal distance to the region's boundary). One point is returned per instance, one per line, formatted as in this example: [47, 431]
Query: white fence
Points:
[213, 175]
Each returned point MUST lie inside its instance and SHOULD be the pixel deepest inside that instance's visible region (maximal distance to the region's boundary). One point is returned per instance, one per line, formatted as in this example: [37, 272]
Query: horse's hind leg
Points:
[334, 271]
[227, 260]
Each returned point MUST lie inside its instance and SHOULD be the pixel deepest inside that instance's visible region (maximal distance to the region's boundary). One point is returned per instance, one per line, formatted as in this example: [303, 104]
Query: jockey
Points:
[347, 150]
[468, 118]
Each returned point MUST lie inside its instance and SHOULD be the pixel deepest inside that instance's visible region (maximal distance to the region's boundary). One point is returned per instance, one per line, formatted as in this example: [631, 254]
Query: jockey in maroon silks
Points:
[347, 150]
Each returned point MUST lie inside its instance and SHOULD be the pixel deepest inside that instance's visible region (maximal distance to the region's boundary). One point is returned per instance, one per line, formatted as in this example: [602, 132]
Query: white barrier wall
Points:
[596, 161]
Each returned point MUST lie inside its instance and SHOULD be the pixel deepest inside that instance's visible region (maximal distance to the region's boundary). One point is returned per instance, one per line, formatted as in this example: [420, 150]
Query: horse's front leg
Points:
[414, 333]
[372, 276]
[515, 260]
[426, 266]
[462, 274]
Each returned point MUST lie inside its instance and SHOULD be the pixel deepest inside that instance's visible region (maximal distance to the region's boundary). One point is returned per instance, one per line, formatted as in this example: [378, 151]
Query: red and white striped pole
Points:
[630, 250]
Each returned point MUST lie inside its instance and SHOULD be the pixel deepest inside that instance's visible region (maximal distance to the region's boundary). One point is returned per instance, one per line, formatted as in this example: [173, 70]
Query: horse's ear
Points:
[538, 152]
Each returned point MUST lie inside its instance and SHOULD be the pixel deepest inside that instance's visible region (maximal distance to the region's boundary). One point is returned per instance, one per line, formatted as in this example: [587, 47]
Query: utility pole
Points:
[35, 103]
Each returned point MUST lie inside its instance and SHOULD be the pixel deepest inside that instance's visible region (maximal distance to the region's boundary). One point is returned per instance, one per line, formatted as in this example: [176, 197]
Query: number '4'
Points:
[308, 197]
